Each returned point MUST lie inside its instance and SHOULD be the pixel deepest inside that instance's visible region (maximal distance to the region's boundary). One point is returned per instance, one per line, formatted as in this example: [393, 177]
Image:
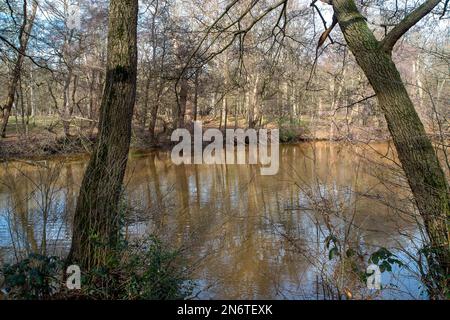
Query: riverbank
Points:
[44, 136]
[42, 145]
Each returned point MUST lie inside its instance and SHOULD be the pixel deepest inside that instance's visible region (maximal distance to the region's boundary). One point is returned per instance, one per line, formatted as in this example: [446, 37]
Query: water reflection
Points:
[246, 235]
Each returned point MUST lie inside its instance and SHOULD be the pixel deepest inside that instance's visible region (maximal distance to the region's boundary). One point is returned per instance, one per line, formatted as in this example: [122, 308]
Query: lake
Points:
[245, 235]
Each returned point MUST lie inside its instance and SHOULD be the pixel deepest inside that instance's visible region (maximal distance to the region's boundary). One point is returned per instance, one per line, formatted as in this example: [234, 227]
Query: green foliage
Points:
[350, 253]
[436, 278]
[143, 270]
[35, 277]
[158, 275]
[333, 242]
[290, 129]
[384, 259]
[146, 270]
[287, 135]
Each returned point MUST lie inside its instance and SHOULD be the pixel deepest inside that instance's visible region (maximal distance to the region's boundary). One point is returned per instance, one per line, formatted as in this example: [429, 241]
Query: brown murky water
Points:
[247, 236]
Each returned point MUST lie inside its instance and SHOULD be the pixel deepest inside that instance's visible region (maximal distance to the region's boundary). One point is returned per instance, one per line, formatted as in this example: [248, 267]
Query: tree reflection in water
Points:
[245, 235]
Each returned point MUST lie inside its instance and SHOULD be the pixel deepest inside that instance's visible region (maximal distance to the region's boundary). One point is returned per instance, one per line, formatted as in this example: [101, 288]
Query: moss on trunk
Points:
[96, 219]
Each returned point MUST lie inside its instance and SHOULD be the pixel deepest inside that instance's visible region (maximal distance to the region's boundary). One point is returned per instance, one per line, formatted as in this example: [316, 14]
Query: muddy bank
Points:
[41, 146]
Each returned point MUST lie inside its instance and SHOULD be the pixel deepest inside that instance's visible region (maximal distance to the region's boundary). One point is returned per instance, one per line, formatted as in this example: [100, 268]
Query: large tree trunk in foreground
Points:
[96, 220]
[25, 30]
[415, 151]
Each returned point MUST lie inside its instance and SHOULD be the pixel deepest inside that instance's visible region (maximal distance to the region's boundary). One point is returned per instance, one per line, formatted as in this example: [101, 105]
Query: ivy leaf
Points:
[350, 253]
[334, 251]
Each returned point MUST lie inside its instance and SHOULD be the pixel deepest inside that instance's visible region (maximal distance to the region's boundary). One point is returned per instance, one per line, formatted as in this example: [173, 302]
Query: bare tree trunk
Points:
[182, 103]
[415, 151]
[225, 112]
[197, 74]
[96, 219]
[29, 99]
[146, 100]
[153, 118]
[25, 30]
[66, 103]
[236, 112]
[22, 105]
[92, 94]
[32, 102]
[253, 112]
[154, 109]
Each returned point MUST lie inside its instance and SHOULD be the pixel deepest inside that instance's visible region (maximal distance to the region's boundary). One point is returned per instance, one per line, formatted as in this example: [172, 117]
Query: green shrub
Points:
[290, 129]
[147, 270]
[35, 277]
[287, 135]
[156, 273]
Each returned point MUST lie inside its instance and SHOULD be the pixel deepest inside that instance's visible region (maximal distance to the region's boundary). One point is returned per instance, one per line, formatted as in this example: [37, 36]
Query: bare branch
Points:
[327, 32]
[445, 9]
[24, 54]
[355, 103]
[407, 23]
